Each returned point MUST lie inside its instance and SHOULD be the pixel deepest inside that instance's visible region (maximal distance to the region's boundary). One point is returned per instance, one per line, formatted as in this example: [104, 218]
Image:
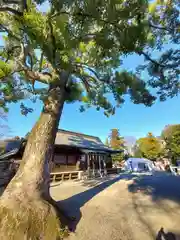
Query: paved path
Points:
[123, 208]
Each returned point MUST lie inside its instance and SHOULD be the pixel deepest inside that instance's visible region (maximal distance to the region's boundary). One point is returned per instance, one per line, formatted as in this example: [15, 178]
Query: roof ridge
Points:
[77, 133]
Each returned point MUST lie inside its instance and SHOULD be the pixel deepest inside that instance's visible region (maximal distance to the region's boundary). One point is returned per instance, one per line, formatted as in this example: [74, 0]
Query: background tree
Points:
[169, 130]
[116, 142]
[171, 138]
[137, 151]
[107, 142]
[173, 146]
[68, 53]
[149, 147]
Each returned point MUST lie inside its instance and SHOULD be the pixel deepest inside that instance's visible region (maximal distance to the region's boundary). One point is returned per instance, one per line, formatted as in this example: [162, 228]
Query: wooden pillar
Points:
[104, 162]
[66, 161]
[54, 178]
[78, 162]
[93, 164]
[88, 165]
[99, 159]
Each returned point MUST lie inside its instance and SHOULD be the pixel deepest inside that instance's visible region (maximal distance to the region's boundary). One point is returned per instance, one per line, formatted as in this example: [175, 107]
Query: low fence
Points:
[72, 175]
[175, 170]
[61, 176]
[6, 173]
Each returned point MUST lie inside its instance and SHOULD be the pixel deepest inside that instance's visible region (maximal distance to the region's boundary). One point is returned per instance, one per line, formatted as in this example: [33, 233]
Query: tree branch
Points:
[37, 76]
[33, 76]
[31, 61]
[89, 68]
[85, 82]
[8, 98]
[163, 66]
[10, 51]
[25, 6]
[160, 27]
[150, 59]
[85, 15]
[8, 9]
[53, 41]
[114, 23]
[2, 102]
[14, 71]
[11, 1]
[9, 32]
[41, 61]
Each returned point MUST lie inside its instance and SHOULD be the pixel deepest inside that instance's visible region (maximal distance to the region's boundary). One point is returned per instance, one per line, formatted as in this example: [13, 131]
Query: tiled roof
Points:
[11, 148]
[63, 138]
[79, 140]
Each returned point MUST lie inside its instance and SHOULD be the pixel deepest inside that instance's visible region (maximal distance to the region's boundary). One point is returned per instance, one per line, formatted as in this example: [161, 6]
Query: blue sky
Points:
[130, 119]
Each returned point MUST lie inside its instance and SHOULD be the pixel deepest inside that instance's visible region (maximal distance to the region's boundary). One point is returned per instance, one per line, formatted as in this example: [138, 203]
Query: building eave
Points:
[7, 155]
[115, 151]
[101, 150]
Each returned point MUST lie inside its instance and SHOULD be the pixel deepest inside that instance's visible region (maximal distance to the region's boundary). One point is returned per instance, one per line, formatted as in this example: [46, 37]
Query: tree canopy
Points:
[84, 39]
[116, 142]
[149, 147]
[87, 39]
[137, 152]
[171, 136]
[169, 130]
[173, 146]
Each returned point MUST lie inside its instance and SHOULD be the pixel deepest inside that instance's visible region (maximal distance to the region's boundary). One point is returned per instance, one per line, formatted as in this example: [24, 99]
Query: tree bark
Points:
[24, 196]
[33, 173]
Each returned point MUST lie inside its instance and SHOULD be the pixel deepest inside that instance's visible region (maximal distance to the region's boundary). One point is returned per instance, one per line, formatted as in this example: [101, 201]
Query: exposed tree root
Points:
[29, 219]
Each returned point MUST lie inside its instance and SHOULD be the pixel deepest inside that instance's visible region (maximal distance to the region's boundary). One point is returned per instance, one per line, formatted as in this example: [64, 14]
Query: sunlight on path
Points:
[112, 210]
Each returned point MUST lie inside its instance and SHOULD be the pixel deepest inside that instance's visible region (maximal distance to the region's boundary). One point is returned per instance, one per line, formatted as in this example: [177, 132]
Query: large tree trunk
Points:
[24, 211]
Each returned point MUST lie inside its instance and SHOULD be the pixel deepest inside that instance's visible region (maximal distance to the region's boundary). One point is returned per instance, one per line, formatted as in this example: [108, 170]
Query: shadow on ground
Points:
[140, 217]
[162, 235]
[141, 208]
[71, 206]
[159, 186]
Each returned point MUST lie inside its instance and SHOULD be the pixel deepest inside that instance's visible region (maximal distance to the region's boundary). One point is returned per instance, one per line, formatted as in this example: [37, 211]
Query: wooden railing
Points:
[61, 176]
[72, 175]
[5, 175]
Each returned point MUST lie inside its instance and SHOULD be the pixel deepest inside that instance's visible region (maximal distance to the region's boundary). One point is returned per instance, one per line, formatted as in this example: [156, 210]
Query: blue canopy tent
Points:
[139, 165]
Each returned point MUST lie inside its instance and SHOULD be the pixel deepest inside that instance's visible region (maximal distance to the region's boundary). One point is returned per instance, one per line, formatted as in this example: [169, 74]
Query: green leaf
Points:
[82, 47]
[88, 39]
[82, 109]
[5, 69]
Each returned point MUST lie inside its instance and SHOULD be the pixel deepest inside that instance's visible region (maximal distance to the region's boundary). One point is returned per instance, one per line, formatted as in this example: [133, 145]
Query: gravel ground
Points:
[126, 207]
